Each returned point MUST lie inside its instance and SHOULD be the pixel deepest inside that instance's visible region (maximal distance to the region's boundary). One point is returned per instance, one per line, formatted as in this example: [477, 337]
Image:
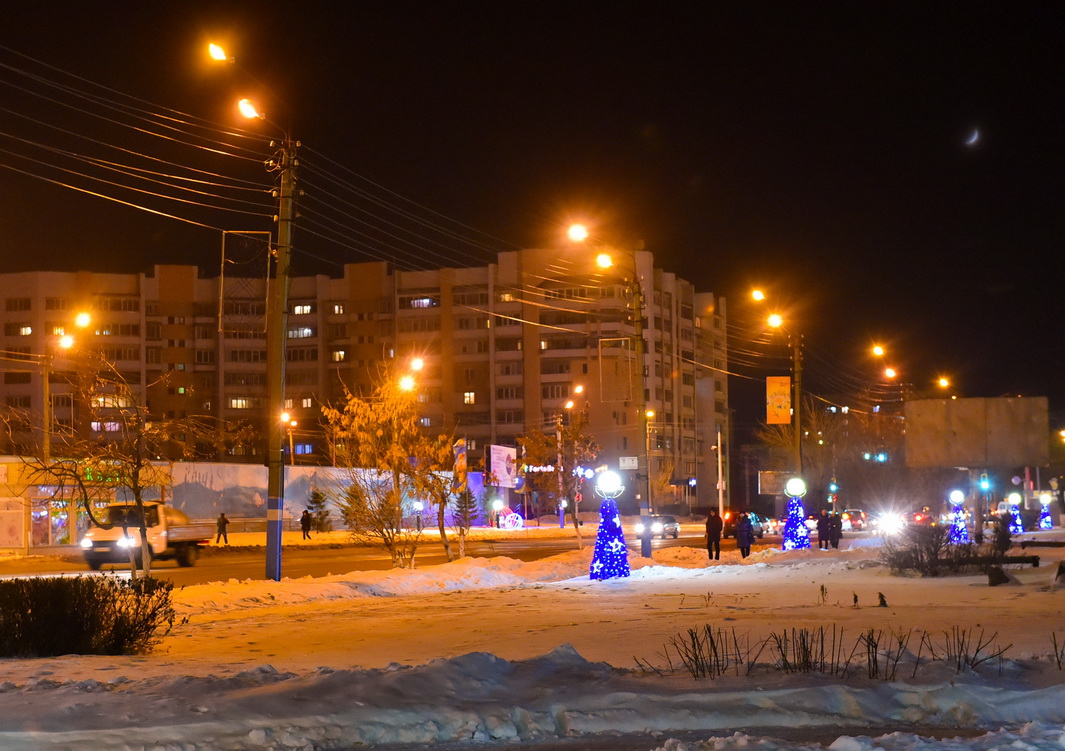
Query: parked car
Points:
[854, 519]
[758, 524]
[661, 526]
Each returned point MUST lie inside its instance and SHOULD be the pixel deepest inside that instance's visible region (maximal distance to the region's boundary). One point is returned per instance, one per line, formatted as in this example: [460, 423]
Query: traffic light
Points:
[985, 484]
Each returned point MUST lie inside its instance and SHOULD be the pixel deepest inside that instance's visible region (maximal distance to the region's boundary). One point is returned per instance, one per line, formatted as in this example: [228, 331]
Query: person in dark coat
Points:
[714, 525]
[744, 535]
[221, 523]
[824, 530]
[835, 529]
[305, 524]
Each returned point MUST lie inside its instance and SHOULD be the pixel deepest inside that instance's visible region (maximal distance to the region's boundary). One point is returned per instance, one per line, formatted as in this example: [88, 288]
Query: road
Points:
[220, 564]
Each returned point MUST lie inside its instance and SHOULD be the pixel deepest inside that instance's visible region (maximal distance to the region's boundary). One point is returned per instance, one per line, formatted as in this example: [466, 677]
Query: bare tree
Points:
[386, 458]
[569, 448]
[121, 450]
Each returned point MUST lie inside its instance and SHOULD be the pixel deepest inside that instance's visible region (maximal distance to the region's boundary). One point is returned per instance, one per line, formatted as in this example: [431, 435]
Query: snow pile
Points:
[486, 651]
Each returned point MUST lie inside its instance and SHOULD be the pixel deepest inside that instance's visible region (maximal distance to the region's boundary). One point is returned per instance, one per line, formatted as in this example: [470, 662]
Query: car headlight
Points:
[656, 527]
[125, 542]
[639, 528]
[891, 524]
[86, 543]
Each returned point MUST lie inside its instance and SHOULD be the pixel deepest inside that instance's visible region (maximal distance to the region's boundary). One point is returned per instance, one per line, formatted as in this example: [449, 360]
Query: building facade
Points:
[505, 347]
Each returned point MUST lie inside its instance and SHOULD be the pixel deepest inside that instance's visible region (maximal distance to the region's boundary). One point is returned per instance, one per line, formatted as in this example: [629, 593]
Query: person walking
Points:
[221, 523]
[714, 526]
[744, 535]
[824, 530]
[835, 529]
[305, 524]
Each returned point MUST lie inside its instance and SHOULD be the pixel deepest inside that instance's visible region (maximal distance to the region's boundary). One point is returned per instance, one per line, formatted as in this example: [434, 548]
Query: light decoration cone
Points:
[1016, 525]
[796, 535]
[1045, 522]
[959, 531]
[610, 559]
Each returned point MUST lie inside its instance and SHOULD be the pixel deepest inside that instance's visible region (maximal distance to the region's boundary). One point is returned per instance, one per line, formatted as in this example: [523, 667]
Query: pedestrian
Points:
[222, 523]
[835, 529]
[305, 524]
[824, 530]
[714, 526]
[744, 535]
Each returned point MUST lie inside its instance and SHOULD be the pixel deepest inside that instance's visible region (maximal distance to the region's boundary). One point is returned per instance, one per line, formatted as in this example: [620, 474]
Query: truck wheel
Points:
[186, 555]
[95, 565]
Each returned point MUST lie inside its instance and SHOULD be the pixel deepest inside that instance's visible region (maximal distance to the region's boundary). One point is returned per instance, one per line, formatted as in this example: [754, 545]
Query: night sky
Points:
[892, 170]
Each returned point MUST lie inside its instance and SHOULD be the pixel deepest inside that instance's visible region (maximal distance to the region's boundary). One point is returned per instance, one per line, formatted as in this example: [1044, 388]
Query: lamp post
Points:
[284, 164]
[579, 233]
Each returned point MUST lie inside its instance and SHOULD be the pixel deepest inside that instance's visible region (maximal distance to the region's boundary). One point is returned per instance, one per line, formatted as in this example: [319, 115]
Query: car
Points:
[854, 519]
[758, 524]
[661, 526]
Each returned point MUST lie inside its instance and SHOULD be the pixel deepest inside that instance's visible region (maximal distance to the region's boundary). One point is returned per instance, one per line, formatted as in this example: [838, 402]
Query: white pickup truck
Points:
[170, 535]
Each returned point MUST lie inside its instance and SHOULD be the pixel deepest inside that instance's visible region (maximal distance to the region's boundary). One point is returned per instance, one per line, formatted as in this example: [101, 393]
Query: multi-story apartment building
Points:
[505, 345]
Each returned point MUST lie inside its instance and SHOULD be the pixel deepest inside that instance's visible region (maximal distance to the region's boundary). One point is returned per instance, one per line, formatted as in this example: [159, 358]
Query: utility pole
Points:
[46, 408]
[276, 332]
[641, 390]
[720, 477]
[796, 369]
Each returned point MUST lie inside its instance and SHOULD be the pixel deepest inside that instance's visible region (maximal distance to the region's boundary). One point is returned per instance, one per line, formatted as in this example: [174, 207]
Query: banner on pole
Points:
[778, 400]
[458, 476]
[504, 465]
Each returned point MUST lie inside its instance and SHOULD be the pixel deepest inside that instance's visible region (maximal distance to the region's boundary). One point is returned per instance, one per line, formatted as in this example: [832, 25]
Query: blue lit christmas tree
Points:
[1044, 513]
[796, 535]
[959, 531]
[1016, 525]
[611, 558]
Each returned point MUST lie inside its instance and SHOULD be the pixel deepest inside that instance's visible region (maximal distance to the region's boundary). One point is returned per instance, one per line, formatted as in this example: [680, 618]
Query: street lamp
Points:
[284, 164]
[605, 260]
[290, 424]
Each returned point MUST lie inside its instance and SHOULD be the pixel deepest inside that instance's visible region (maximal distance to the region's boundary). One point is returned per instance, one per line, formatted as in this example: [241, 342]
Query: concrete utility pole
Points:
[641, 381]
[796, 369]
[276, 333]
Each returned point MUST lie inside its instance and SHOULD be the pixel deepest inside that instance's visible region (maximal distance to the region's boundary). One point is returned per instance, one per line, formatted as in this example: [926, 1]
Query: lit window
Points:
[301, 310]
[425, 422]
[469, 397]
[421, 302]
[25, 330]
[339, 355]
[239, 402]
[302, 332]
[306, 402]
[288, 404]
[338, 308]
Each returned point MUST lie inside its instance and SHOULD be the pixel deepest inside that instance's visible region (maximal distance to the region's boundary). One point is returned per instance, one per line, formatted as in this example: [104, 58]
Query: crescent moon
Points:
[972, 139]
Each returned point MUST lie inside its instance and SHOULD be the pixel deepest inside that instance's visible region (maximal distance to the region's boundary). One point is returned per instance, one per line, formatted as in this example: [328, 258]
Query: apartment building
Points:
[505, 347]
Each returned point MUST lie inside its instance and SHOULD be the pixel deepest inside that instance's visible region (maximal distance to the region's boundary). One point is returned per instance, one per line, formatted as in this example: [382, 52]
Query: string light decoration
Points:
[1045, 521]
[796, 535]
[1016, 525]
[610, 559]
[959, 531]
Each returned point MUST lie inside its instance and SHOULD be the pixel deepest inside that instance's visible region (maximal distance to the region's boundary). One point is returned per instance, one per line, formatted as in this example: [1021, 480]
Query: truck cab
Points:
[170, 534]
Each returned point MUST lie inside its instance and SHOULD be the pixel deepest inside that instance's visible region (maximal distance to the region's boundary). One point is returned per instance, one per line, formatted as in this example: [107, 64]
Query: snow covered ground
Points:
[499, 652]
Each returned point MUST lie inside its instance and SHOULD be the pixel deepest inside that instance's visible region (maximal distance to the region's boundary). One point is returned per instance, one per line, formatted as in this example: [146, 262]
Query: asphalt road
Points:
[220, 564]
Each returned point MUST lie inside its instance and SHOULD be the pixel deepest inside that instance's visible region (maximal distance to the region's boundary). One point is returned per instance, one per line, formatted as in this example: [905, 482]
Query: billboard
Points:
[1001, 432]
[778, 400]
[503, 465]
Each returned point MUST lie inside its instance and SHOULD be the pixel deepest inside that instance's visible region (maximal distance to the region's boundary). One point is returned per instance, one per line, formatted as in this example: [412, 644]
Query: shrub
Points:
[44, 617]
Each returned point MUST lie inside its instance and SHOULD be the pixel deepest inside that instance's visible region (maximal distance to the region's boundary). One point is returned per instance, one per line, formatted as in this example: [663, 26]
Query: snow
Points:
[497, 651]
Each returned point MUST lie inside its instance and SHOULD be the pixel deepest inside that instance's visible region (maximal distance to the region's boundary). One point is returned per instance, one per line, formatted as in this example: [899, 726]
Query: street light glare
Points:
[943, 382]
[578, 233]
[417, 363]
[66, 341]
[247, 109]
[81, 320]
[285, 417]
[406, 383]
[890, 372]
[758, 295]
[878, 350]
[217, 53]
[775, 320]
[604, 261]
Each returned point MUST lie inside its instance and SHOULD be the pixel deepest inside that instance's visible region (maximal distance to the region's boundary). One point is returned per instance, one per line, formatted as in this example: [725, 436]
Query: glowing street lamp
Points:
[284, 164]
